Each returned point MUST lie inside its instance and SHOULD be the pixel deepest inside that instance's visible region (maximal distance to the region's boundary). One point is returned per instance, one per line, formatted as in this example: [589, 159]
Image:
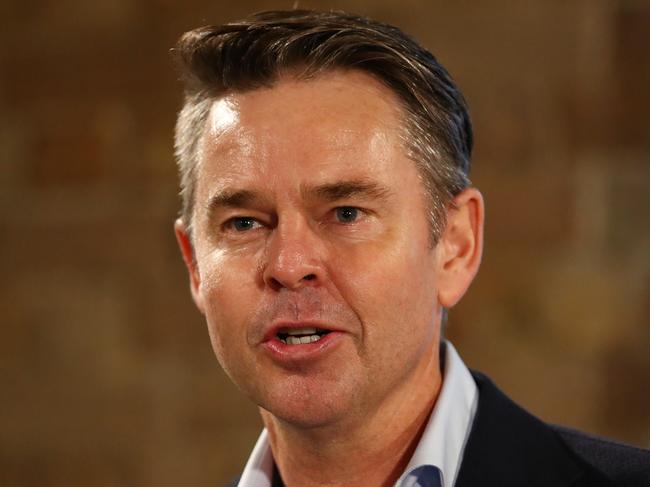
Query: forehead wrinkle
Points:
[228, 198]
[343, 189]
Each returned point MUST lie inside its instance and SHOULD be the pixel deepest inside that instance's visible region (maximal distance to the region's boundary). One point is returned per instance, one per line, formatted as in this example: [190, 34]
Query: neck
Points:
[362, 450]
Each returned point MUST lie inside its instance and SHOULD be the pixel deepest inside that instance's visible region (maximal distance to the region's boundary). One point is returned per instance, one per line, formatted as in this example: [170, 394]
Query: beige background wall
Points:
[106, 371]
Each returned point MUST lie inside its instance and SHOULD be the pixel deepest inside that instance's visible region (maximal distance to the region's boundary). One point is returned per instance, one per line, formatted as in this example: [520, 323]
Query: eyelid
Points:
[229, 223]
[360, 209]
[363, 214]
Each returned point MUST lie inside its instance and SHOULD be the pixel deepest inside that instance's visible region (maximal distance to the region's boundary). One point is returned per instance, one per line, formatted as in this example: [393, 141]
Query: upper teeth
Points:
[297, 336]
[301, 331]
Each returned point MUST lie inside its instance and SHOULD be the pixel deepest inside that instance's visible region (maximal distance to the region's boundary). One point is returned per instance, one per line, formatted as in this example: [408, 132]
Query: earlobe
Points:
[187, 251]
[460, 246]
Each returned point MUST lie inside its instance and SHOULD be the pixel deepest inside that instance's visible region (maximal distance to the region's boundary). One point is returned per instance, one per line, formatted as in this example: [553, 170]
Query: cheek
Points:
[225, 277]
[398, 262]
[389, 286]
[225, 290]
[211, 267]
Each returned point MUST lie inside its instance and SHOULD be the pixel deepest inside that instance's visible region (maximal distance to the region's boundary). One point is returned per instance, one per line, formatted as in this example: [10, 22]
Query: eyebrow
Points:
[346, 189]
[329, 192]
[235, 199]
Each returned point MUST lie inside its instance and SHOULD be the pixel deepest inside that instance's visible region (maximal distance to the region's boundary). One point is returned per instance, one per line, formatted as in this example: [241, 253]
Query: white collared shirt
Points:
[442, 443]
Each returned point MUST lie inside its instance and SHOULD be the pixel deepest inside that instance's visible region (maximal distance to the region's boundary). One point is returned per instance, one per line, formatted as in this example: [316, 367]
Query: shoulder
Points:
[625, 464]
[511, 447]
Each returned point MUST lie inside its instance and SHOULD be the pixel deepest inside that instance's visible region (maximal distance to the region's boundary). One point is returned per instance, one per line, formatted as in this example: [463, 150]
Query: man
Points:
[328, 222]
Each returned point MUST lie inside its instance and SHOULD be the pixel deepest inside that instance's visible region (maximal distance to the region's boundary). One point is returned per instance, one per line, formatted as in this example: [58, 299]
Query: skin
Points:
[308, 210]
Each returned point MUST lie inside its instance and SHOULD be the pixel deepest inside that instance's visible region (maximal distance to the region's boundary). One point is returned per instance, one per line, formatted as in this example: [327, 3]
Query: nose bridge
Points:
[293, 253]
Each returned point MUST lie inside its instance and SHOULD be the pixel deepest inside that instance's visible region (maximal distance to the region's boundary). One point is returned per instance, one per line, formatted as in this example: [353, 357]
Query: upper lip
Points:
[280, 325]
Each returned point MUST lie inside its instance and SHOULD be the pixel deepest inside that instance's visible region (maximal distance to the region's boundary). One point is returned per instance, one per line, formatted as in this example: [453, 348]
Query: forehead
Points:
[336, 124]
[350, 96]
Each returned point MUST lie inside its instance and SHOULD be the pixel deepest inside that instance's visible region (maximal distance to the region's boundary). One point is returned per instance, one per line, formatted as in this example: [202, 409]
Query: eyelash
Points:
[231, 224]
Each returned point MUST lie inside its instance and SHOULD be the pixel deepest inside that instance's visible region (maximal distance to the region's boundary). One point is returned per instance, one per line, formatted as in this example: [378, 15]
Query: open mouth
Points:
[301, 336]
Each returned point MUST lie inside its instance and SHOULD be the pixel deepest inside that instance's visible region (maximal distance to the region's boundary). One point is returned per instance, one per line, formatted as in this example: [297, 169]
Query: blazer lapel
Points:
[508, 447]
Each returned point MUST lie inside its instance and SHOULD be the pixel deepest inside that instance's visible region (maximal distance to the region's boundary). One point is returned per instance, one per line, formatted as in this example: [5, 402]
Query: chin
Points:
[304, 419]
[307, 407]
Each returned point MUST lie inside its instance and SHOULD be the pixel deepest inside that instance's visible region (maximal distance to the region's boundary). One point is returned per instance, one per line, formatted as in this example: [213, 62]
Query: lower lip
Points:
[305, 352]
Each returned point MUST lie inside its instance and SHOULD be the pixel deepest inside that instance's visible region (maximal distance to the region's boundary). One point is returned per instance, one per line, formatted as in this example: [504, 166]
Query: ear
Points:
[460, 247]
[187, 251]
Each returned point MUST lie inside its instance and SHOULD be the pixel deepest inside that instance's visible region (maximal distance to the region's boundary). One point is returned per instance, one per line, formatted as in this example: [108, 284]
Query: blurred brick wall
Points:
[107, 373]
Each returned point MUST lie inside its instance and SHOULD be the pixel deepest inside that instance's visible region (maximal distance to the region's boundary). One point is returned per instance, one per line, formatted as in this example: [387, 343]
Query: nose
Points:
[294, 257]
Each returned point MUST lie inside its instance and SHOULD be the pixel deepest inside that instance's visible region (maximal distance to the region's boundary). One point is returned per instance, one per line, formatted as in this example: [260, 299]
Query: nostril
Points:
[280, 282]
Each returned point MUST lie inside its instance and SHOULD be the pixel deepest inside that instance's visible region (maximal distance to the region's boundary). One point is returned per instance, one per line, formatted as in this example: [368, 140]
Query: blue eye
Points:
[347, 214]
[242, 224]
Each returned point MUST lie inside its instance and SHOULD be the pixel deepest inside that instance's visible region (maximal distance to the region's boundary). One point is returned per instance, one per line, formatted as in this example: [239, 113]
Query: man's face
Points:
[314, 267]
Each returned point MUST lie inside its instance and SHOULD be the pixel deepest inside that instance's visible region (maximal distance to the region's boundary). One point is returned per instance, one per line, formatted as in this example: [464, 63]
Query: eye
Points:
[242, 224]
[347, 214]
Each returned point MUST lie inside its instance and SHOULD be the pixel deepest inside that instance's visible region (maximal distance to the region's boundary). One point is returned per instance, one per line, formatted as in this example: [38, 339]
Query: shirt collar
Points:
[258, 471]
[442, 442]
[446, 433]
